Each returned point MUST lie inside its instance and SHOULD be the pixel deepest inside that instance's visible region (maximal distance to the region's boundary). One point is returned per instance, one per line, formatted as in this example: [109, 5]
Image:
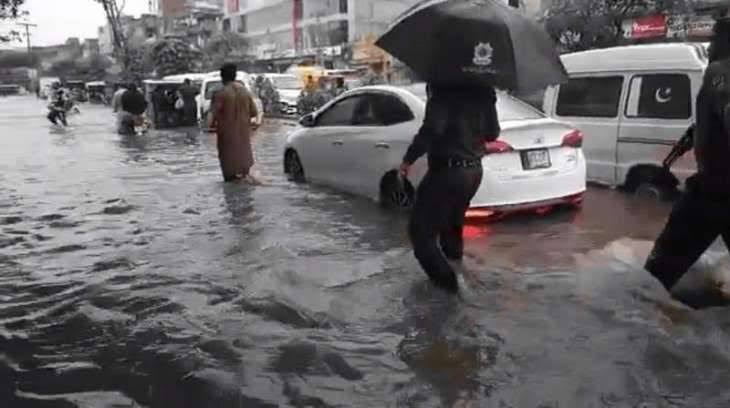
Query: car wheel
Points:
[396, 193]
[293, 167]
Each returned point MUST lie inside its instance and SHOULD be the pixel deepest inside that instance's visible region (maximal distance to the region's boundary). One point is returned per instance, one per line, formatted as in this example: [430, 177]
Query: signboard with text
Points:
[649, 27]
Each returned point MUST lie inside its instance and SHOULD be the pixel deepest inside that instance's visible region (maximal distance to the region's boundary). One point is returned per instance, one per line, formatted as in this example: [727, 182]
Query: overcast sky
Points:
[60, 19]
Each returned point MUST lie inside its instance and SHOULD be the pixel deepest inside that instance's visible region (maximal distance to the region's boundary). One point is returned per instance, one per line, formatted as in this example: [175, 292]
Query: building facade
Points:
[327, 32]
[137, 30]
[196, 21]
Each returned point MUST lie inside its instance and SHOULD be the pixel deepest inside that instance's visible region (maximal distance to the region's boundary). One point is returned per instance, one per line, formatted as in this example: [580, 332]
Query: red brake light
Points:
[574, 138]
[497, 146]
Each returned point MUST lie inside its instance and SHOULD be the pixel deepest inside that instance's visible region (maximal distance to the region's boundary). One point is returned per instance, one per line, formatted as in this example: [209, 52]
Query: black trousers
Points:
[55, 115]
[696, 221]
[437, 220]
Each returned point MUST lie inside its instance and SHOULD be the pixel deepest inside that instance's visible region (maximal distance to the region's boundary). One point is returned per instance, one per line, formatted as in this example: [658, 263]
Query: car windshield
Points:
[508, 107]
[287, 83]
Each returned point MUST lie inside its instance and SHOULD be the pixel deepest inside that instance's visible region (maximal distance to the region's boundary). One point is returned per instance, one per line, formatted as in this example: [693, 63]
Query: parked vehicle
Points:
[632, 103]
[161, 96]
[212, 83]
[96, 91]
[356, 142]
[289, 88]
[78, 90]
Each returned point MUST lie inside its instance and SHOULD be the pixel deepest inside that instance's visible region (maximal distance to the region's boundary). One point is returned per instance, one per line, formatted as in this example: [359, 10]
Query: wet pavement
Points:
[131, 276]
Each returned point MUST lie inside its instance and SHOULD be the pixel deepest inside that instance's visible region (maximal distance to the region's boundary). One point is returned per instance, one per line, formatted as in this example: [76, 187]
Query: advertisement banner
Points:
[648, 27]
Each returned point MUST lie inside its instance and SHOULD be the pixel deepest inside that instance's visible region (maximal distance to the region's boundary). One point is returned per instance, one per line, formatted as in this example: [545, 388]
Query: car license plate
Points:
[535, 159]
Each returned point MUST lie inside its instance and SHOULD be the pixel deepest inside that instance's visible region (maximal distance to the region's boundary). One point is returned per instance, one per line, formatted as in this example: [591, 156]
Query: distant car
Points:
[289, 88]
[356, 142]
[212, 84]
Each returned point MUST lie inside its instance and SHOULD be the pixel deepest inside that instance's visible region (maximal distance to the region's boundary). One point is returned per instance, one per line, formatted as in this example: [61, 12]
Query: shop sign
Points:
[700, 26]
[649, 27]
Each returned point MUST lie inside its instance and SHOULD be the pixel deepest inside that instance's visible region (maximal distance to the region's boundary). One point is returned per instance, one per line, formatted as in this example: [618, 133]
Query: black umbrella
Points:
[461, 42]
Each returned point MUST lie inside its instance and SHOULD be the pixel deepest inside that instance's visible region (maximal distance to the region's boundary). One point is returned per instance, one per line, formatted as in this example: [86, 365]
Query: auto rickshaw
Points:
[96, 92]
[162, 97]
[78, 90]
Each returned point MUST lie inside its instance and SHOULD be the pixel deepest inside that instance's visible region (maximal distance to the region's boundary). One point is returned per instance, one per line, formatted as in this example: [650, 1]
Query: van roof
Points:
[638, 58]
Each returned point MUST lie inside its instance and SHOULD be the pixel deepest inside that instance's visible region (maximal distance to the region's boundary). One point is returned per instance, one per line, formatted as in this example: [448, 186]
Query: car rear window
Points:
[508, 107]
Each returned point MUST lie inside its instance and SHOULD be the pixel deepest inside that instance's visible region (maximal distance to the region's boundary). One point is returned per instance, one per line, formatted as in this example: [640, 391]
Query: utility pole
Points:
[27, 39]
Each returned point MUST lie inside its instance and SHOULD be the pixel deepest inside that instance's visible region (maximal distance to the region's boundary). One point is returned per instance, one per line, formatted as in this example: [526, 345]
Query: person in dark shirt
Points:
[457, 124]
[134, 106]
[701, 214]
[190, 106]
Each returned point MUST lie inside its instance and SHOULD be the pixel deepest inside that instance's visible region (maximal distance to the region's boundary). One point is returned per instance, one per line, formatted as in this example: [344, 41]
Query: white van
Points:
[212, 83]
[632, 104]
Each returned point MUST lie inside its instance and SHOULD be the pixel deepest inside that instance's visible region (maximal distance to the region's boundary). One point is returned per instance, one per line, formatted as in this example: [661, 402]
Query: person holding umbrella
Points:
[458, 121]
[464, 49]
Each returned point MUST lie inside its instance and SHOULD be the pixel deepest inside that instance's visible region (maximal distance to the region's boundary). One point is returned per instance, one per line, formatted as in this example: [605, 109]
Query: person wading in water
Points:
[231, 114]
[458, 123]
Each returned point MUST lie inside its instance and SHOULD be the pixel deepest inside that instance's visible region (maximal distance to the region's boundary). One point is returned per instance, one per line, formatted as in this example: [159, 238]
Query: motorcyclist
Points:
[58, 106]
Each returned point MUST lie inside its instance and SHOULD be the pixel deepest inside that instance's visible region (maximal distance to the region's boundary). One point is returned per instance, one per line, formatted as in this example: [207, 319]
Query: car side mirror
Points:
[307, 120]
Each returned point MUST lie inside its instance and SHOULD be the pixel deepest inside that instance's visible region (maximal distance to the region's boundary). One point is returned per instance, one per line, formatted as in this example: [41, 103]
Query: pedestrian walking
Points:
[231, 115]
[701, 214]
[458, 123]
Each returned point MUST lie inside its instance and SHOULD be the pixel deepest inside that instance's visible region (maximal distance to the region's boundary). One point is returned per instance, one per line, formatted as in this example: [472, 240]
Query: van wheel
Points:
[651, 183]
[396, 193]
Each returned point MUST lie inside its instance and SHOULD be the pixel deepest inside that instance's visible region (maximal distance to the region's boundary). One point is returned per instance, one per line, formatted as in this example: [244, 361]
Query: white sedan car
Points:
[356, 142]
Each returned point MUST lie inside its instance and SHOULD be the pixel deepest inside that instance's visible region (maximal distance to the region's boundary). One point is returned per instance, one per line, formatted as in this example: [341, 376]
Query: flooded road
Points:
[131, 276]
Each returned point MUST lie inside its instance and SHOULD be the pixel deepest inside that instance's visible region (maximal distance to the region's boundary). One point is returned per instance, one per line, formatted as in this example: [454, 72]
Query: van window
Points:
[590, 97]
[660, 96]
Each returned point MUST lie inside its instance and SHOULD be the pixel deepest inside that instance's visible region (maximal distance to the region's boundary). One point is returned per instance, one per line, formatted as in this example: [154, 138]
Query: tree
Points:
[583, 24]
[10, 9]
[173, 56]
[226, 47]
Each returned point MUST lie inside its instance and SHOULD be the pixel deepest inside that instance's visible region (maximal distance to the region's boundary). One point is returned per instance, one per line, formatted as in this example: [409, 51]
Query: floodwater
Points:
[131, 276]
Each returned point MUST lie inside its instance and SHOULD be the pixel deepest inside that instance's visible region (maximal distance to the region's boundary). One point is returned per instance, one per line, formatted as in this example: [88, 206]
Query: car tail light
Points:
[497, 146]
[574, 138]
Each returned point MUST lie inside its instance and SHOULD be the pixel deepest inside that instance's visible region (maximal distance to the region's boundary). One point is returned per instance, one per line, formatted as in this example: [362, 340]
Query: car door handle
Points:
[382, 145]
[338, 143]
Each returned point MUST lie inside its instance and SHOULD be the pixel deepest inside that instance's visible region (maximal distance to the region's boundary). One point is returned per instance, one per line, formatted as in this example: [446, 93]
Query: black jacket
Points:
[134, 102]
[456, 125]
[712, 132]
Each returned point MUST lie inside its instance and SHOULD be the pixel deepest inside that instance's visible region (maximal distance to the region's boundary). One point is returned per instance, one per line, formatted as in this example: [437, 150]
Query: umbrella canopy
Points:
[465, 42]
